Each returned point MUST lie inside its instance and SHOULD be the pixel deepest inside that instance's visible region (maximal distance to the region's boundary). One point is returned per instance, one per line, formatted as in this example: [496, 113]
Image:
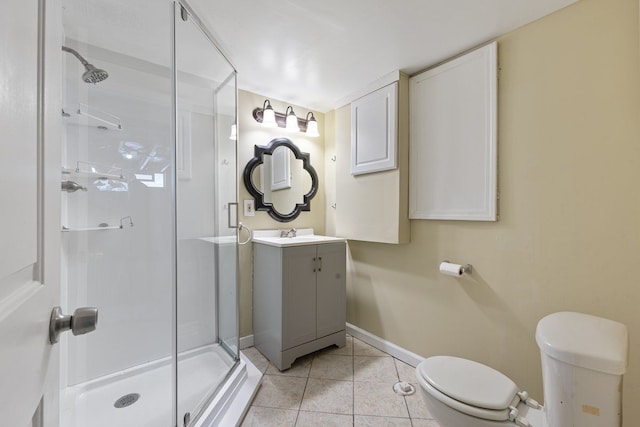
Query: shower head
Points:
[92, 74]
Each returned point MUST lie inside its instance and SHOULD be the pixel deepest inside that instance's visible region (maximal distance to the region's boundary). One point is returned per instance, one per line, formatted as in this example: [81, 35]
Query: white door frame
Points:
[30, 110]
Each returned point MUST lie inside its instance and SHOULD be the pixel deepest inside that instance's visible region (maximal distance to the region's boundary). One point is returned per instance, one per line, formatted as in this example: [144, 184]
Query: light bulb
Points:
[268, 115]
[292, 121]
[312, 125]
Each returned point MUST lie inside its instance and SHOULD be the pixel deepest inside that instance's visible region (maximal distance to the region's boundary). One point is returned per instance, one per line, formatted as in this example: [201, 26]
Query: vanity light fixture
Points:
[312, 125]
[234, 132]
[292, 120]
[288, 120]
[268, 115]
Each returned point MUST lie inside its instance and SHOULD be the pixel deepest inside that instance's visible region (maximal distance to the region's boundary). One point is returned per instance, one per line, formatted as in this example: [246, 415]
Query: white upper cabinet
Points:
[372, 173]
[453, 139]
[374, 122]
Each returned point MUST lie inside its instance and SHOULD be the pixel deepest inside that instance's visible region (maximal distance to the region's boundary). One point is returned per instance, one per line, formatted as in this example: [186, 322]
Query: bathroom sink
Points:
[297, 241]
[303, 237]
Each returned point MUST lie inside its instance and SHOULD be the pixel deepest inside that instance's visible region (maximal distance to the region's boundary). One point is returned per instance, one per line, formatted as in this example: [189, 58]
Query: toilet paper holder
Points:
[464, 268]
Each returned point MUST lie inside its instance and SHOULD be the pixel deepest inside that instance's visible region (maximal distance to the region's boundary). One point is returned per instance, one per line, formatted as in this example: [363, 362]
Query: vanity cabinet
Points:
[299, 299]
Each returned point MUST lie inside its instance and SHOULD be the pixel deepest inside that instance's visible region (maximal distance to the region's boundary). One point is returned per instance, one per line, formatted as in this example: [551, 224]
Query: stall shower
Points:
[92, 74]
[149, 215]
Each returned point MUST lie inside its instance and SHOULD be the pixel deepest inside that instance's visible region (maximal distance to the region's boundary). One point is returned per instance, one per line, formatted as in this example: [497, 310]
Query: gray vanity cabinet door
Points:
[330, 289]
[298, 295]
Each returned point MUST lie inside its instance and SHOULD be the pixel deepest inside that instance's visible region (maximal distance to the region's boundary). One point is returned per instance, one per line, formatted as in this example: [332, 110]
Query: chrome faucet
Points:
[288, 233]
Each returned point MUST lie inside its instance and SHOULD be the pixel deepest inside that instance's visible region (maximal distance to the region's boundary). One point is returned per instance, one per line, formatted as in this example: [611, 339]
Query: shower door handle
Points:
[83, 320]
[229, 214]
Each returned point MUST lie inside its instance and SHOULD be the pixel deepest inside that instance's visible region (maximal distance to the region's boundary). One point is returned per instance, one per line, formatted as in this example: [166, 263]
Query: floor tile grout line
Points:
[301, 399]
[323, 412]
[353, 381]
[404, 398]
[305, 388]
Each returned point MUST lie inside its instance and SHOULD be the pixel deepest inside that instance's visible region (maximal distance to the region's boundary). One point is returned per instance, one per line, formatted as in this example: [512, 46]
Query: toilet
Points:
[583, 360]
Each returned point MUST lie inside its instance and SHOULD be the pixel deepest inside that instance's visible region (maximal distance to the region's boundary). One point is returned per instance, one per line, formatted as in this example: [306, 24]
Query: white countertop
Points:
[304, 236]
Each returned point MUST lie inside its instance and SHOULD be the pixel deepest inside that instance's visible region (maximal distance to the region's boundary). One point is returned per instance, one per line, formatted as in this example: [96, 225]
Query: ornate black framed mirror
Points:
[281, 179]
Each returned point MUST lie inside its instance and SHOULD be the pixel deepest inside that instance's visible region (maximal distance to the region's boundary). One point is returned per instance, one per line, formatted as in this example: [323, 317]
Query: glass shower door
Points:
[225, 101]
[206, 294]
[117, 216]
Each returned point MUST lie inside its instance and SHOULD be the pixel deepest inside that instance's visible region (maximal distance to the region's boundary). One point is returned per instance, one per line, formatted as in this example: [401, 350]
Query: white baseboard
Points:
[381, 344]
[246, 342]
[388, 347]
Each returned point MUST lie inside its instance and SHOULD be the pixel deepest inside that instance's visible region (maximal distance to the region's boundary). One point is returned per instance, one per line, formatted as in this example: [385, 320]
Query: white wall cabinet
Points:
[453, 139]
[374, 123]
[299, 300]
[373, 207]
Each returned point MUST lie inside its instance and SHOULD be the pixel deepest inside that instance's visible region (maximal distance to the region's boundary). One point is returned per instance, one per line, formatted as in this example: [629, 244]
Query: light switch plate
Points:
[249, 208]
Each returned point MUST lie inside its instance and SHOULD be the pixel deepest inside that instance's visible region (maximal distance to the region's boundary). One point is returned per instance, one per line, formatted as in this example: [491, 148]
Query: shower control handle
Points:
[83, 320]
[71, 187]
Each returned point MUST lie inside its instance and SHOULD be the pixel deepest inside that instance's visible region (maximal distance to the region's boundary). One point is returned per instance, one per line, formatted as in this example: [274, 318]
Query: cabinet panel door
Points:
[453, 139]
[331, 289]
[374, 120]
[299, 296]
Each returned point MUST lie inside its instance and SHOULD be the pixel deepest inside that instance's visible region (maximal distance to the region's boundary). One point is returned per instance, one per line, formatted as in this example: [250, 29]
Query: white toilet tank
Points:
[583, 360]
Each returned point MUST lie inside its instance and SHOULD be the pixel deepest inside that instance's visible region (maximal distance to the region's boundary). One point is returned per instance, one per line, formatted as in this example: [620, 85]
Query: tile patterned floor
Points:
[349, 386]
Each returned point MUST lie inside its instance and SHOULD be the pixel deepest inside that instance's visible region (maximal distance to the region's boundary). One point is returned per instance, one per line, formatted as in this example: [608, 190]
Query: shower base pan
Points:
[142, 396]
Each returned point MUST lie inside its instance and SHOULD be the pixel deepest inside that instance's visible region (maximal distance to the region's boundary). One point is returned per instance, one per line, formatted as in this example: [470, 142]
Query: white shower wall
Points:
[128, 273]
[196, 215]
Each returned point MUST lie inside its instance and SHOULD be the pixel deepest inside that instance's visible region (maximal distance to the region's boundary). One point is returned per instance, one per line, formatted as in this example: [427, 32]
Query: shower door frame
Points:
[233, 75]
[197, 419]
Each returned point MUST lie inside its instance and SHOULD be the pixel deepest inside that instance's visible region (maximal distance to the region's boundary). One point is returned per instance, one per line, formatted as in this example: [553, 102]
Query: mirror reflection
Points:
[281, 179]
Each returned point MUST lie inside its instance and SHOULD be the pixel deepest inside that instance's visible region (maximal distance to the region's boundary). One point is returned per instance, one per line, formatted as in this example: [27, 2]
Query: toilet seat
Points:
[470, 387]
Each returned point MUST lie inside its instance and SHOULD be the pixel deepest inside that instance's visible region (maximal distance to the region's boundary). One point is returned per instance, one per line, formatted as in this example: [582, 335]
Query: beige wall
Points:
[569, 231]
[251, 133]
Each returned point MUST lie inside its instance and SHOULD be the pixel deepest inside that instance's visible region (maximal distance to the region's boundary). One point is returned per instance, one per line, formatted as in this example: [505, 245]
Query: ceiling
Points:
[314, 53]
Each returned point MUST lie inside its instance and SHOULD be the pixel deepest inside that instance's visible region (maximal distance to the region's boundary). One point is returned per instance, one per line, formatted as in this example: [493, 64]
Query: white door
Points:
[29, 212]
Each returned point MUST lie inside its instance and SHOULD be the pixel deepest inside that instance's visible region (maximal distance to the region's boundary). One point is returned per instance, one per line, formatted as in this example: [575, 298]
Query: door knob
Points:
[83, 320]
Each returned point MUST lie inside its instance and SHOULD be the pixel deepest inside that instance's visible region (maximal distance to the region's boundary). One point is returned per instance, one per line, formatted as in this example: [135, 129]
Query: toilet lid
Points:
[469, 382]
